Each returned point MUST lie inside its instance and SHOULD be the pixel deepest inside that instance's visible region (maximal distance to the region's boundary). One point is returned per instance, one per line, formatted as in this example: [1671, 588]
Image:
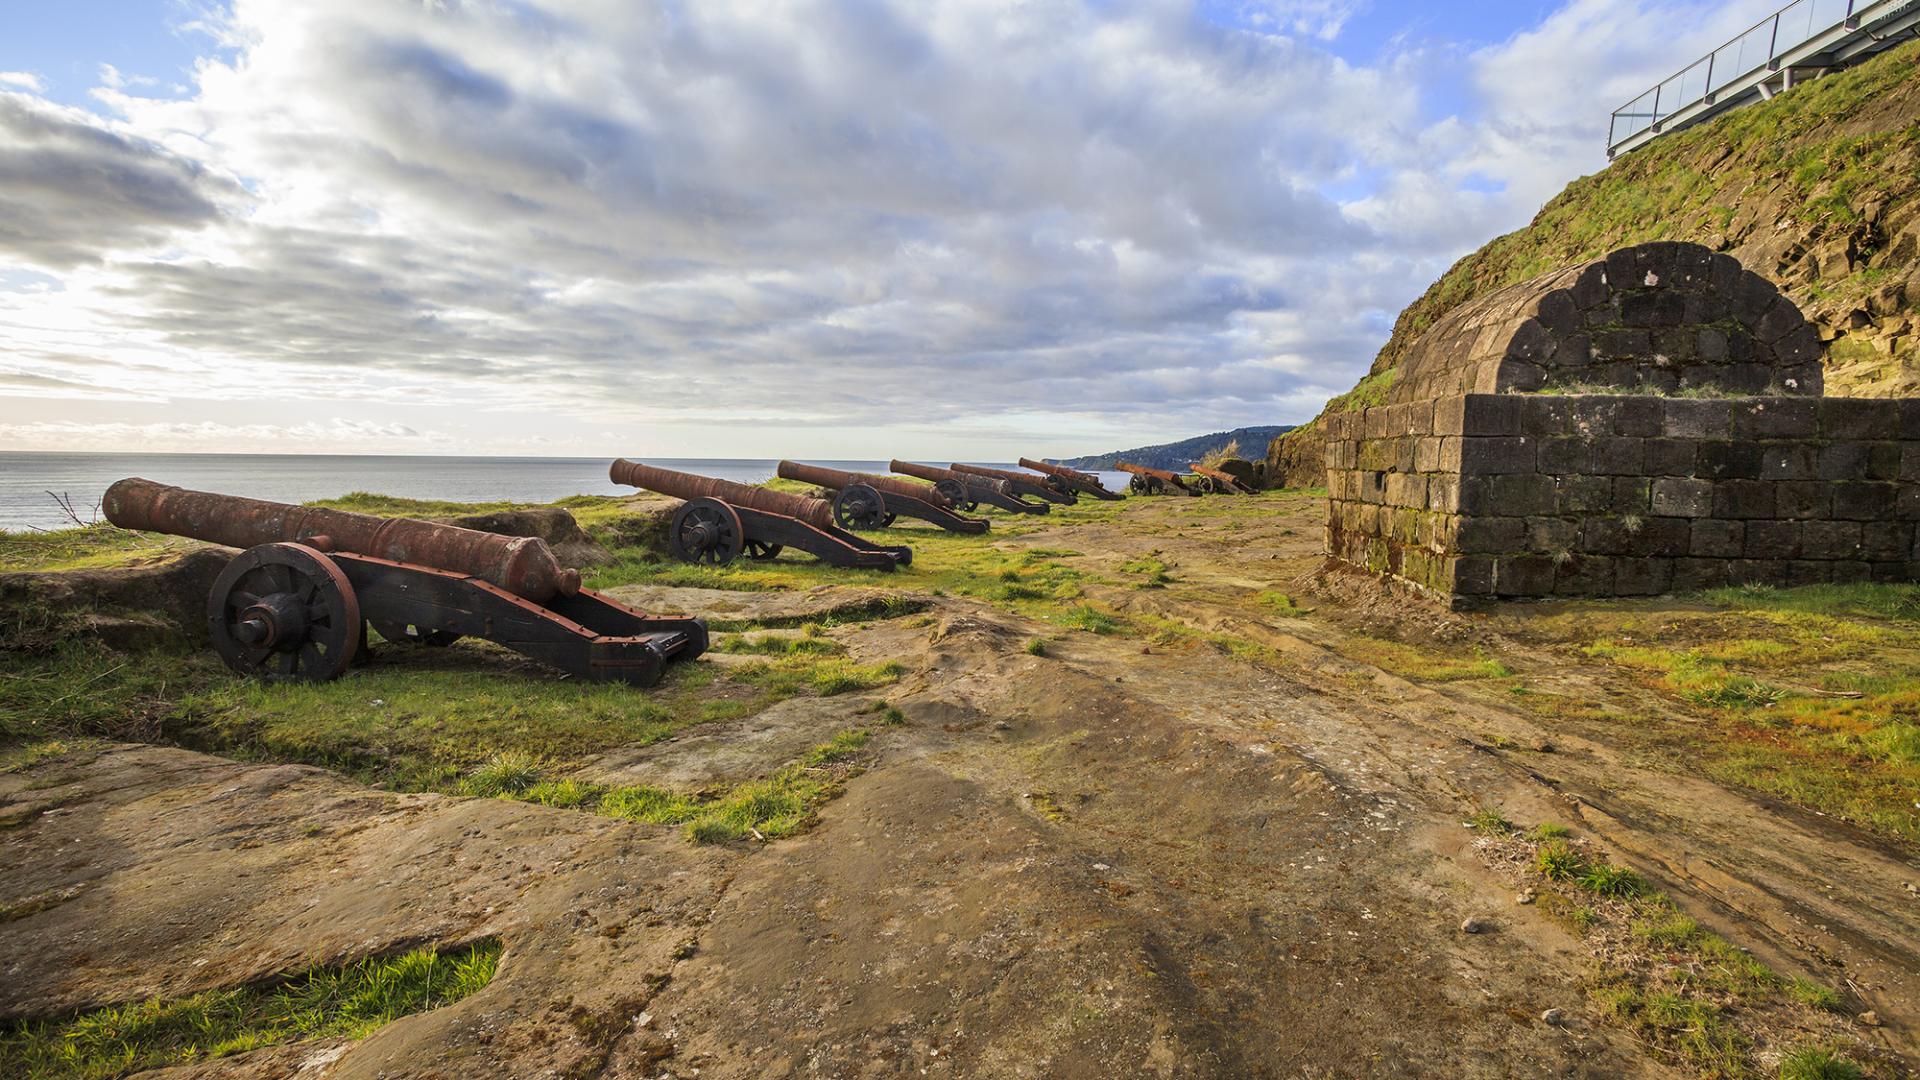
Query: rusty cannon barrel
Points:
[1041, 487]
[1073, 478]
[837, 479]
[1161, 475]
[815, 512]
[1060, 471]
[937, 474]
[522, 565]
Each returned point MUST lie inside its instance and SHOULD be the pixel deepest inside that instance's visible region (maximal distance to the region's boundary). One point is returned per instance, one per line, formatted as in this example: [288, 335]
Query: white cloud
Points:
[24, 80]
[731, 228]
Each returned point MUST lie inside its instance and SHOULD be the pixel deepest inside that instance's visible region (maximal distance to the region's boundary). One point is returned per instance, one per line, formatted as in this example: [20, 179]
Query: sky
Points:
[734, 228]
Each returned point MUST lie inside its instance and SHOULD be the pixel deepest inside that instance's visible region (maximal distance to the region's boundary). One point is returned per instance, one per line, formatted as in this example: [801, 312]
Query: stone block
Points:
[1472, 575]
[1674, 497]
[1848, 572]
[1523, 575]
[1580, 495]
[1697, 418]
[1789, 461]
[1776, 417]
[1803, 499]
[1660, 536]
[1859, 418]
[1642, 577]
[1605, 536]
[1886, 541]
[1617, 456]
[1773, 540]
[1583, 575]
[1516, 495]
[1727, 460]
[1632, 495]
[1883, 461]
[1906, 506]
[1830, 539]
[1547, 535]
[1756, 571]
[1484, 455]
[1692, 575]
[1653, 308]
[1566, 456]
[1426, 456]
[1843, 461]
[1670, 457]
[1864, 500]
[1491, 535]
[1715, 539]
[1910, 462]
[1492, 414]
[1443, 492]
[1373, 486]
[1743, 499]
[1407, 490]
[1639, 417]
[1808, 572]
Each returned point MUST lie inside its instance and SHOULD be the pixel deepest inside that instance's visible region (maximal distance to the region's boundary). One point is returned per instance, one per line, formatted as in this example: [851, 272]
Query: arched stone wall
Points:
[1655, 319]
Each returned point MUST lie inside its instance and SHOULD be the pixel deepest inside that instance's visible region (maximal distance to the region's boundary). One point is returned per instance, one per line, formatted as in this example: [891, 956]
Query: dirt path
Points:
[1114, 859]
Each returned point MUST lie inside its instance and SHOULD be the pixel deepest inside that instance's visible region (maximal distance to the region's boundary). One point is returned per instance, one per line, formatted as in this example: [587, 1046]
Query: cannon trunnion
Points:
[721, 521]
[294, 606]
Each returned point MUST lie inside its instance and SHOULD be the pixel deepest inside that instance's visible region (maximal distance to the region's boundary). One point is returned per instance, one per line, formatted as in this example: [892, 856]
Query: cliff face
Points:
[1818, 190]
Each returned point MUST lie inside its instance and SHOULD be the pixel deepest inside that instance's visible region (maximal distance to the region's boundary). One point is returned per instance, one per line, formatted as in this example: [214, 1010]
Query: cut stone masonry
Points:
[1493, 491]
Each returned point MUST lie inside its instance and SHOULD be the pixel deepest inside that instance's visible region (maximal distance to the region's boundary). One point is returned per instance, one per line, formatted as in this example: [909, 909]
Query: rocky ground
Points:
[1227, 837]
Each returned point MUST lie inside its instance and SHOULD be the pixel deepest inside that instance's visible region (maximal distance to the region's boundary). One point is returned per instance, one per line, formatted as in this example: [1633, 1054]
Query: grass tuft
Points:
[349, 1001]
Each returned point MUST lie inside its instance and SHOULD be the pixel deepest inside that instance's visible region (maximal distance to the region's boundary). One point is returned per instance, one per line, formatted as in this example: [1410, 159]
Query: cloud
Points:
[73, 189]
[339, 434]
[731, 224]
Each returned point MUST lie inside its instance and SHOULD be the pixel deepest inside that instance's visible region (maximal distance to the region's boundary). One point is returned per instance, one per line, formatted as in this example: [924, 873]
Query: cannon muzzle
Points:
[815, 512]
[522, 565]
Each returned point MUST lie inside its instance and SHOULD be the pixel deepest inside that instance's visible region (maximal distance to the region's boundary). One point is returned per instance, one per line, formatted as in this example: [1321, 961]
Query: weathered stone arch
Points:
[1657, 318]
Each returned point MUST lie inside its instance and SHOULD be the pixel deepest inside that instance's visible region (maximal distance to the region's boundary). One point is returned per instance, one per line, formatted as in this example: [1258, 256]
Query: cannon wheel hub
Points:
[706, 531]
[860, 507]
[284, 613]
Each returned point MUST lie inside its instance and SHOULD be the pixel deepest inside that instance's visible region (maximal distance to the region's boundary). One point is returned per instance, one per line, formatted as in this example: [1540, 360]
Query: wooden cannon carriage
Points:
[722, 520]
[864, 501]
[294, 606]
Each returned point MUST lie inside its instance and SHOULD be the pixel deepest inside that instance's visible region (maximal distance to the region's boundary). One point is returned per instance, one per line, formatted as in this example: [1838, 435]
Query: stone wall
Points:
[1528, 495]
[1655, 318]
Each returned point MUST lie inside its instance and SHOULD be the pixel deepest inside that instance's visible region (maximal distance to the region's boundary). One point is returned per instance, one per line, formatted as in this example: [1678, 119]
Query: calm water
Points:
[26, 478]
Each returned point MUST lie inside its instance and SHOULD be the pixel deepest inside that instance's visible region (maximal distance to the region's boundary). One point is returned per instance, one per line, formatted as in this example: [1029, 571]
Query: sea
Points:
[33, 485]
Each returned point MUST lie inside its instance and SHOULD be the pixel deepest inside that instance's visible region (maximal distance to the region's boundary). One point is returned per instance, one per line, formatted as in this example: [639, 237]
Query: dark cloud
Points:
[72, 190]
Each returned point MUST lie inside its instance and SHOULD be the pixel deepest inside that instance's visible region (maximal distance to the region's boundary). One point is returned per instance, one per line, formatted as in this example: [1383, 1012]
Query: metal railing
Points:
[1759, 48]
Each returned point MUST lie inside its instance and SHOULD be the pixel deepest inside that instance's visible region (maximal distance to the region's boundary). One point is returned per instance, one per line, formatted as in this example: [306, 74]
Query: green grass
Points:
[340, 1002]
[1557, 861]
[1490, 821]
[83, 548]
[1412, 662]
[1901, 602]
[1818, 1063]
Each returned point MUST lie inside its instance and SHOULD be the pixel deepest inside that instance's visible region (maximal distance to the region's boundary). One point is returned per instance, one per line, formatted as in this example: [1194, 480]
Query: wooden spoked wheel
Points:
[706, 531]
[284, 613]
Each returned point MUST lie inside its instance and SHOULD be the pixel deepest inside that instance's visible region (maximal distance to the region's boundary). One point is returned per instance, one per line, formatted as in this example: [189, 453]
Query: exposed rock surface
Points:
[128, 607]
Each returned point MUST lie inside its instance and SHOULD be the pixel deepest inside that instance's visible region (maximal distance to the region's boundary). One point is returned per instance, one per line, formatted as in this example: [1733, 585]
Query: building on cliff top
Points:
[1646, 423]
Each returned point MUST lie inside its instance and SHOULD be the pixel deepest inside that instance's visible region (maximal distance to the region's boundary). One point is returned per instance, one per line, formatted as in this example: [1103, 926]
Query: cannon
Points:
[295, 604]
[721, 520]
[968, 492]
[864, 501]
[1074, 479]
[1151, 481]
[1218, 482]
[1040, 487]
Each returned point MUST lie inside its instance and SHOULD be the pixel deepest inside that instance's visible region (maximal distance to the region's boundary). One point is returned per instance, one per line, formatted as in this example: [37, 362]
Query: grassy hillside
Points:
[1818, 190]
[1178, 455]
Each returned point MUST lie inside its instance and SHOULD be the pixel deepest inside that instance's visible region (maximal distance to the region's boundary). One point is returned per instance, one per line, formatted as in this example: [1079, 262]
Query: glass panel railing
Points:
[1633, 118]
[1683, 89]
[1807, 19]
[1742, 55]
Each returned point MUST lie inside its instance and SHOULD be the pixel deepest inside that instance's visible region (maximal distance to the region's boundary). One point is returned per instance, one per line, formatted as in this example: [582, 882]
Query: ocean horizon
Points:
[30, 480]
